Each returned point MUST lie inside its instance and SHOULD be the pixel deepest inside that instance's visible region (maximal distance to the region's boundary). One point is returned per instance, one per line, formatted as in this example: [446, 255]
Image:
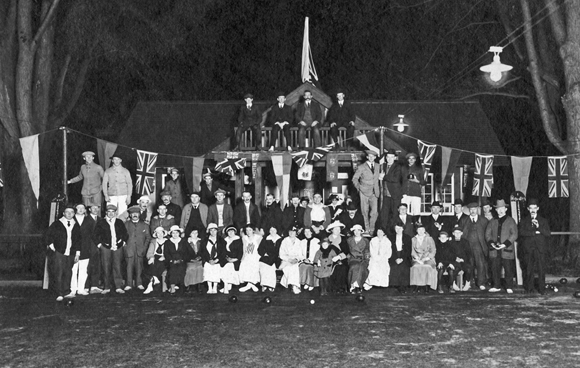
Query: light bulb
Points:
[400, 128]
[495, 75]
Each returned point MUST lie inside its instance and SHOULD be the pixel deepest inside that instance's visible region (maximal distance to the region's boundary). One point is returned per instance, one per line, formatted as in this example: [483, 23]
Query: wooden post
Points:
[380, 204]
[239, 185]
[64, 163]
[259, 188]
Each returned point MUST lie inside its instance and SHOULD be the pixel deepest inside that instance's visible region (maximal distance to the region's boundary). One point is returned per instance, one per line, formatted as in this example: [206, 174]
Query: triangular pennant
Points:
[105, 150]
[521, 168]
[449, 159]
[369, 139]
[30, 155]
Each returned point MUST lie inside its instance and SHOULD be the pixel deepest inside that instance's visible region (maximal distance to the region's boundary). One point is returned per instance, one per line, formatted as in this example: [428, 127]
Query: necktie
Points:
[388, 168]
[307, 104]
[372, 168]
[213, 251]
[68, 223]
[473, 220]
[340, 104]
[159, 250]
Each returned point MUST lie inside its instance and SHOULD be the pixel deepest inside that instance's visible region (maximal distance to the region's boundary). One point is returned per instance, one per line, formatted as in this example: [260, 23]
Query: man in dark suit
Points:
[308, 116]
[474, 231]
[80, 268]
[459, 217]
[534, 232]
[435, 222]
[350, 218]
[110, 236]
[220, 213]
[249, 117]
[172, 208]
[136, 247]
[163, 219]
[341, 115]
[293, 215]
[94, 268]
[246, 212]
[271, 216]
[208, 189]
[194, 216]
[392, 178]
[404, 218]
[280, 119]
[63, 239]
[366, 181]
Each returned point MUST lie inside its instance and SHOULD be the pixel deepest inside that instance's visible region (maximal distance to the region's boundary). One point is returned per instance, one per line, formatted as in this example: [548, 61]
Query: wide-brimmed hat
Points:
[357, 227]
[211, 226]
[335, 224]
[500, 203]
[390, 151]
[159, 228]
[175, 228]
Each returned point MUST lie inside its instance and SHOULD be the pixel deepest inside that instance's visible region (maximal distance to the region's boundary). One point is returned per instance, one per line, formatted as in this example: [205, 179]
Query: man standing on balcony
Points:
[117, 185]
[249, 117]
[280, 119]
[392, 178]
[308, 115]
[92, 176]
[366, 181]
[341, 115]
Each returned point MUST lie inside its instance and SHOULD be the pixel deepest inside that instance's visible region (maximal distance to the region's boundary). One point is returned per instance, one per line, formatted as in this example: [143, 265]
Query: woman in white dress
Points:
[250, 266]
[379, 269]
[210, 252]
[291, 255]
[230, 259]
[423, 271]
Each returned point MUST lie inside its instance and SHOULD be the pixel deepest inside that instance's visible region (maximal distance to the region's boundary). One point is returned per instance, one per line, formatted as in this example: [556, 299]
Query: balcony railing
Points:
[248, 142]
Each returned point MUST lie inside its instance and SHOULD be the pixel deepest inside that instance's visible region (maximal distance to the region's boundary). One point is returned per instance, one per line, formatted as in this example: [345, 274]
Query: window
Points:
[432, 191]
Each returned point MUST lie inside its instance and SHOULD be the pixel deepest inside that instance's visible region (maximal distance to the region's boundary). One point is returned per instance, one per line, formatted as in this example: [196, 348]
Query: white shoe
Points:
[264, 289]
[509, 291]
[455, 287]
[155, 280]
[310, 288]
[106, 291]
[149, 288]
[176, 287]
[295, 289]
[226, 291]
[271, 149]
[96, 290]
[82, 292]
[120, 291]
[245, 288]
[59, 298]
[467, 286]
[367, 287]
[222, 290]
[140, 287]
[494, 290]
[254, 288]
[289, 149]
[127, 288]
[481, 287]
[71, 295]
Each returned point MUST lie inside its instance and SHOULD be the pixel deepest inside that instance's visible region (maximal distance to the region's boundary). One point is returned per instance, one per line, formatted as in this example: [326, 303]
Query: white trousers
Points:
[413, 204]
[119, 202]
[79, 275]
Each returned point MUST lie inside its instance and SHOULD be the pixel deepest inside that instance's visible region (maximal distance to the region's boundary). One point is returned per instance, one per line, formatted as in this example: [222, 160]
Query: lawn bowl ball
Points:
[267, 300]
[360, 298]
[555, 289]
[312, 301]
[69, 303]
[577, 294]
[233, 299]
[563, 280]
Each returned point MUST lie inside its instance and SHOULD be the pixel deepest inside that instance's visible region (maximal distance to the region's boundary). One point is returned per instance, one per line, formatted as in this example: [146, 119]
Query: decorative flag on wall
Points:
[305, 172]
[426, 152]
[369, 139]
[105, 150]
[558, 176]
[145, 174]
[331, 167]
[311, 155]
[521, 167]
[483, 176]
[30, 154]
[231, 164]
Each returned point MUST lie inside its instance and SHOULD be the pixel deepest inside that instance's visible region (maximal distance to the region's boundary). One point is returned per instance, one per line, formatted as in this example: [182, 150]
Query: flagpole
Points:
[64, 163]
[382, 130]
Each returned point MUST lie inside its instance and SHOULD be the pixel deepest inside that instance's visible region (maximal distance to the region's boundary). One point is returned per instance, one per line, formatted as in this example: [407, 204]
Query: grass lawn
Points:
[473, 329]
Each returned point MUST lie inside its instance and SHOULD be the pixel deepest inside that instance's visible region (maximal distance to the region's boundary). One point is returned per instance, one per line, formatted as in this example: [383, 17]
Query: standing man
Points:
[246, 213]
[80, 269]
[474, 232]
[459, 217]
[271, 216]
[366, 181]
[308, 116]
[220, 213]
[111, 235]
[534, 231]
[63, 238]
[501, 234]
[392, 178]
[341, 115]
[486, 208]
[414, 179]
[405, 219]
[117, 185]
[250, 117]
[194, 216]
[280, 119]
[163, 219]
[92, 176]
[435, 222]
[293, 215]
[136, 248]
[317, 215]
[173, 187]
[208, 189]
[94, 268]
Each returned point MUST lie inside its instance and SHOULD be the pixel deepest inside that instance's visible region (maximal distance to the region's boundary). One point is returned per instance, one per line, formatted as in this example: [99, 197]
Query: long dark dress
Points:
[400, 273]
[339, 278]
[177, 256]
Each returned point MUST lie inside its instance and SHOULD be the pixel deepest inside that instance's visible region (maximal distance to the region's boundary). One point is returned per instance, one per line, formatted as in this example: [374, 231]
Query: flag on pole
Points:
[231, 164]
[483, 176]
[369, 139]
[311, 154]
[426, 152]
[449, 159]
[145, 183]
[308, 69]
[558, 176]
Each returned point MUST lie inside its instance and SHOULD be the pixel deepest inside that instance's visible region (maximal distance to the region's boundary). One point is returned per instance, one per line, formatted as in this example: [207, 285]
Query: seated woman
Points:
[194, 269]
[230, 259]
[177, 254]
[156, 262]
[310, 246]
[339, 277]
[423, 272]
[380, 251]
[269, 250]
[358, 259]
[400, 261]
[250, 265]
[323, 265]
[211, 248]
[291, 255]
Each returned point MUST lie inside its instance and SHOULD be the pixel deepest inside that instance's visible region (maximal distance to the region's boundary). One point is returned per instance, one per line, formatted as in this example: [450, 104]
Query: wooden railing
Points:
[248, 142]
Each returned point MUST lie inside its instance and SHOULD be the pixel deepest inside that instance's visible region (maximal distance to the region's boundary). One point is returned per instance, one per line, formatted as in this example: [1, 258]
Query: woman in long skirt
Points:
[269, 250]
[194, 269]
[380, 250]
[400, 261]
[210, 252]
[230, 259]
[291, 255]
[177, 253]
[250, 266]
[358, 259]
[310, 246]
[339, 278]
[156, 262]
[423, 271]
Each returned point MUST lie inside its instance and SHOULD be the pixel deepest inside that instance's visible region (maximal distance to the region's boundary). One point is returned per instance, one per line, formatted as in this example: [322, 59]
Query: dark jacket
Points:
[432, 230]
[87, 228]
[207, 195]
[350, 222]
[181, 255]
[293, 216]
[532, 237]
[393, 181]
[249, 117]
[272, 217]
[405, 252]
[57, 235]
[315, 111]
[280, 115]
[412, 188]
[445, 253]
[236, 250]
[342, 116]
[138, 240]
[269, 251]
[241, 219]
[220, 246]
[103, 233]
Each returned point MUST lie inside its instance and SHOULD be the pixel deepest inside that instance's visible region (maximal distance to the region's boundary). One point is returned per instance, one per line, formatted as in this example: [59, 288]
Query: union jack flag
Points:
[558, 176]
[311, 155]
[483, 176]
[231, 164]
[145, 183]
[426, 151]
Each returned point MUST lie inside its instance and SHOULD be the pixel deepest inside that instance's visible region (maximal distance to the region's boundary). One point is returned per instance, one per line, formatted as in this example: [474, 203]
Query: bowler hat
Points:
[390, 151]
[500, 203]
[351, 207]
[280, 93]
[533, 201]
[436, 204]
[458, 202]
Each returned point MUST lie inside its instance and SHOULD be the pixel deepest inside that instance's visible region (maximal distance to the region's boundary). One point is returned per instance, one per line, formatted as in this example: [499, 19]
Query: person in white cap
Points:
[117, 185]
[291, 255]
[145, 211]
[358, 259]
[156, 262]
[211, 249]
[92, 176]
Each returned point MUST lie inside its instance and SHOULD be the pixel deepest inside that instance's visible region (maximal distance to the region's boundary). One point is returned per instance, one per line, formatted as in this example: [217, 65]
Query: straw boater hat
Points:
[357, 227]
[175, 228]
[159, 228]
[336, 223]
[211, 226]
[144, 198]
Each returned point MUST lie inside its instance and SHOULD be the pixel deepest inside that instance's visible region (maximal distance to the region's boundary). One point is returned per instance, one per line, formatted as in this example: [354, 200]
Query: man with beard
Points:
[309, 117]
[534, 231]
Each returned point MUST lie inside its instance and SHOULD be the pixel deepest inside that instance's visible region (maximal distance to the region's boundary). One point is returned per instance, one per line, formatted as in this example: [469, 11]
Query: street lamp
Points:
[401, 125]
[496, 67]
